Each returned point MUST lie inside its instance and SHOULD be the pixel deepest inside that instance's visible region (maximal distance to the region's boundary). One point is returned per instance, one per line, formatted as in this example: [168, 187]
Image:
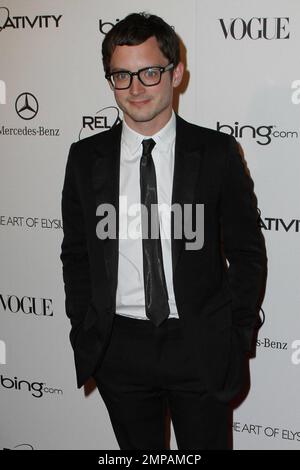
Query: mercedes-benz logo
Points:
[4, 15]
[27, 106]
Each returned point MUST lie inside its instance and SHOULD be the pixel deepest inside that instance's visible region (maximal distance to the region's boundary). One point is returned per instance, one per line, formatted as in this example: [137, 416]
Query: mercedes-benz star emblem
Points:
[27, 106]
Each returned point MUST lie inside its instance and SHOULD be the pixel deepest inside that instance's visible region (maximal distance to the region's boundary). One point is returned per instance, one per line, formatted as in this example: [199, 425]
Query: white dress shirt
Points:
[130, 299]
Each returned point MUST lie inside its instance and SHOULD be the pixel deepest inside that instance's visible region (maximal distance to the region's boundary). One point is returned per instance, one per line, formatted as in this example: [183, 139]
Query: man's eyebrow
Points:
[122, 69]
[119, 69]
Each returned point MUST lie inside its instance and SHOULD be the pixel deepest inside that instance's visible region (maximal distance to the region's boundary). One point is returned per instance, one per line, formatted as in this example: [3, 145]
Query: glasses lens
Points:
[120, 79]
[150, 76]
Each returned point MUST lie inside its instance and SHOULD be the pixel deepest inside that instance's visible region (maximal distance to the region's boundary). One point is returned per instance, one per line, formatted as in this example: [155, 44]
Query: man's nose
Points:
[136, 86]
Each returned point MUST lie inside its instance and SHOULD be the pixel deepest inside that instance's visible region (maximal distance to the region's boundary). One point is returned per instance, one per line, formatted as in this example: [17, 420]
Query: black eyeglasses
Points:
[149, 76]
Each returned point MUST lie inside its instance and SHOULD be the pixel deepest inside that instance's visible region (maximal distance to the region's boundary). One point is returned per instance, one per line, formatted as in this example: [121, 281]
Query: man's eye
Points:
[151, 73]
[121, 76]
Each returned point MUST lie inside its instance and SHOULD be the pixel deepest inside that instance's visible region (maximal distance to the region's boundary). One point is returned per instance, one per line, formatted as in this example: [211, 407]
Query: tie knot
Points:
[148, 145]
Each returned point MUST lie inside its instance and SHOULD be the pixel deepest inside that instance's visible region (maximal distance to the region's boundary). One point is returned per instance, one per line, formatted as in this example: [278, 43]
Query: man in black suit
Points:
[157, 319]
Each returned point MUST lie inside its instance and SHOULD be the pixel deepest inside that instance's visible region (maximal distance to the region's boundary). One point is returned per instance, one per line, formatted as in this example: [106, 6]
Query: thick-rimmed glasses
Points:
[149, 76]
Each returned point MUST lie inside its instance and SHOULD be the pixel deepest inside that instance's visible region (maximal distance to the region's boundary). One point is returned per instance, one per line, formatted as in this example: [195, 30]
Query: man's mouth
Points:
[140, 102]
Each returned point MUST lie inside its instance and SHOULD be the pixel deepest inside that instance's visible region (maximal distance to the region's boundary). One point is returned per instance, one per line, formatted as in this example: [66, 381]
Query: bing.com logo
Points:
[36, 389]
[263, 135]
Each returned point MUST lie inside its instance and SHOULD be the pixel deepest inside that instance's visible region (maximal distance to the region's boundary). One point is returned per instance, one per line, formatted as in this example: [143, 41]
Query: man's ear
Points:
[177, 74]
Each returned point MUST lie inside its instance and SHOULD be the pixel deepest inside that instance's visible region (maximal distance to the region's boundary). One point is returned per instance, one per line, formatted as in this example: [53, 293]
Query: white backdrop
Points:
[243, 67]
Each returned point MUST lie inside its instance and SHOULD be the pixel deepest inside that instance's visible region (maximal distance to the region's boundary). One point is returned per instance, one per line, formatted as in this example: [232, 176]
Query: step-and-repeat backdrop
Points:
[243, 78]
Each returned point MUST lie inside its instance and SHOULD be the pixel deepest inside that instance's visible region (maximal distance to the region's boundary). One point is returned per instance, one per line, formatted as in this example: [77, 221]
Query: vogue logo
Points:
[255, 28]
[24, 22]
[40, 307]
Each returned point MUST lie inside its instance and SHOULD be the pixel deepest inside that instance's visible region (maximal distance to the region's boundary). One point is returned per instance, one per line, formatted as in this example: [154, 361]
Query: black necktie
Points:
[156, 294]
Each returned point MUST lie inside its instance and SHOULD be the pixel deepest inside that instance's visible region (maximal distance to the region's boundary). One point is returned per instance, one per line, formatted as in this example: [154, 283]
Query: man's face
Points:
[145, 109]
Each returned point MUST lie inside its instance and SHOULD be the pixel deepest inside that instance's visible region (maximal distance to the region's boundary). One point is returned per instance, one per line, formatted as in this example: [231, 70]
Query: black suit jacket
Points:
[218, 305]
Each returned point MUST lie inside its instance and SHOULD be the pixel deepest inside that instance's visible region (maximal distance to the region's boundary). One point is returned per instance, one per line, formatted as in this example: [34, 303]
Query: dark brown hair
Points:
[137, 28]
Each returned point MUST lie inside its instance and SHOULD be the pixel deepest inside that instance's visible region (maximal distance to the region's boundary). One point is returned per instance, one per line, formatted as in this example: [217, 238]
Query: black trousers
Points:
[148, 372]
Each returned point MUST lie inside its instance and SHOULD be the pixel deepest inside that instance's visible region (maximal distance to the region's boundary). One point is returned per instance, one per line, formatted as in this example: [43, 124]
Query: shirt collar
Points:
[163, 138]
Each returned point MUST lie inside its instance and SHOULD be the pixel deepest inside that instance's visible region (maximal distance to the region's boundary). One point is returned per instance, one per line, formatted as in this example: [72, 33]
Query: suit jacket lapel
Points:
[188, 159]
[106, 175]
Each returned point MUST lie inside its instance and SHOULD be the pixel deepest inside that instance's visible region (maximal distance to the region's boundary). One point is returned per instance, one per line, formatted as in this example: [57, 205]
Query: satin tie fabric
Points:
[156, 294]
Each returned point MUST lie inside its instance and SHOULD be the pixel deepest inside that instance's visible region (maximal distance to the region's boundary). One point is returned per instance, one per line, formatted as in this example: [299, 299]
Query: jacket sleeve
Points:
[74, 254]
[243, 244]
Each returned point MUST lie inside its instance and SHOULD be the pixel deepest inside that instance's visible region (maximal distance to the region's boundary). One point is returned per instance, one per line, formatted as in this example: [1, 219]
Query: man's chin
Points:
[141, 117]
